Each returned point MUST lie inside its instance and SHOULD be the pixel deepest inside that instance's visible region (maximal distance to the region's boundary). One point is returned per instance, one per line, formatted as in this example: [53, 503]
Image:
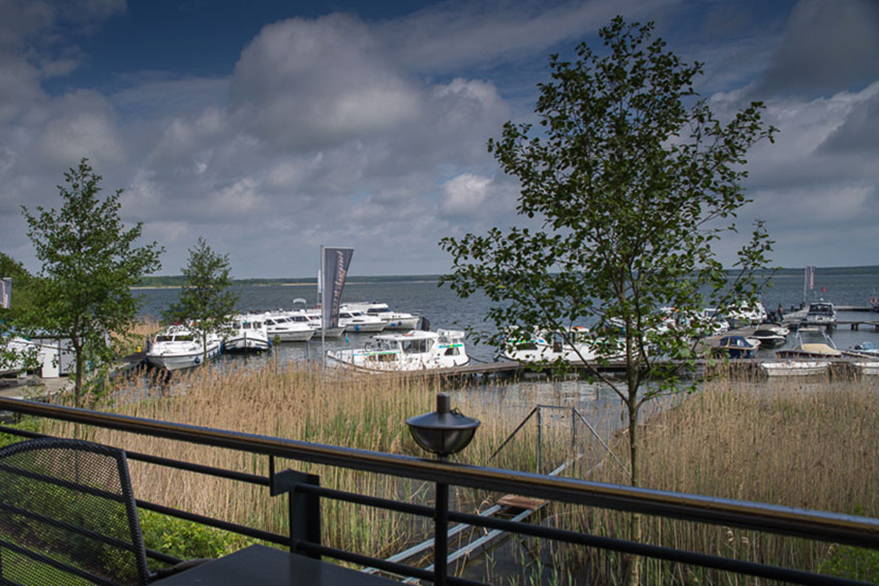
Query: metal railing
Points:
[304, 492]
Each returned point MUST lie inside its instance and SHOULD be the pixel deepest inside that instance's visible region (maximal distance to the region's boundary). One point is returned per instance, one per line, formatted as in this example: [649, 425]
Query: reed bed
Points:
[807, 444]
[304, 402]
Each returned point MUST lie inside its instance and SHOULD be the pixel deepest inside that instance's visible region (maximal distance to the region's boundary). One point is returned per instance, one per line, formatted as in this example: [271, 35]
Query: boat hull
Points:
[292, 336]
[795, 368]
[170, 360]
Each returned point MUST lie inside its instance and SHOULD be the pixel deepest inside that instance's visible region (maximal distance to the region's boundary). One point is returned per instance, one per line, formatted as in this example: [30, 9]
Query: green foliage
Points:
[855, 563]
[205, 302]
[22, 282]
[89, 262]
[187, 540]
[632, 182]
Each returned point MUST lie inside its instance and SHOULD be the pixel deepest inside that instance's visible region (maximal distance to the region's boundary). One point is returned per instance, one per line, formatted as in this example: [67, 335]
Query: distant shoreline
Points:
[352, 281]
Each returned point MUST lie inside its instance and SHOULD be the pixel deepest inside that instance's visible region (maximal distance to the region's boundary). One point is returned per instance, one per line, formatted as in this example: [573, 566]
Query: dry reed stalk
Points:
[306, 403]
[801, 443]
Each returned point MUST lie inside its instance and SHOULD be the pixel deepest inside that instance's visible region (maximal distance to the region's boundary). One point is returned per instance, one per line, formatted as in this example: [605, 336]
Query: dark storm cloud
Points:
[828, 45]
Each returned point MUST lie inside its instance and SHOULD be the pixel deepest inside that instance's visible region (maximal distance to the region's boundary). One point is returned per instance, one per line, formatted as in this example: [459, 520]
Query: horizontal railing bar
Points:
[813, 525]
[385, 566]
[162, 557]
[224, 525]
[22, 432]
[371, 501]
[200, 469]
[655, 551]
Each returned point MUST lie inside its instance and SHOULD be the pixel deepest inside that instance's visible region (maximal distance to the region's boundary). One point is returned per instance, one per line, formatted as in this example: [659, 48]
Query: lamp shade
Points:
[444, 431]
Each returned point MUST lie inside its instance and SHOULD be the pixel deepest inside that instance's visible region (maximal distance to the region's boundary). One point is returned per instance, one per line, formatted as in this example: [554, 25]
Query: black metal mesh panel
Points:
[67, 516]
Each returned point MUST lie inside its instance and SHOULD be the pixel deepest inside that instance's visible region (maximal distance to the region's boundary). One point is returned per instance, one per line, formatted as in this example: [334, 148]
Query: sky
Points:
[273, 127]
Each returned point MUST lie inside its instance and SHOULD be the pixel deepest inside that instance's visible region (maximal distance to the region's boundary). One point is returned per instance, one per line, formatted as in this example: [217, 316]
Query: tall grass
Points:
[304, 402]
[808, 444]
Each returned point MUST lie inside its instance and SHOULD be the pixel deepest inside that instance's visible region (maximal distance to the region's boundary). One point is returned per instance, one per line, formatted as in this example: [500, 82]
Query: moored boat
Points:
[737, 346]
[820, 313]
[805, 359]
[177, 347]
[358, 322]
[246, 333]
[394, 320]
[20, 355]
[284, 327]
[770, 335]
[399, 352]
[577, 347]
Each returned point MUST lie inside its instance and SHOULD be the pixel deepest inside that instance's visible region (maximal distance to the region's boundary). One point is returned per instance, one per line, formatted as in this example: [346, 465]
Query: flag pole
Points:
[323, 325]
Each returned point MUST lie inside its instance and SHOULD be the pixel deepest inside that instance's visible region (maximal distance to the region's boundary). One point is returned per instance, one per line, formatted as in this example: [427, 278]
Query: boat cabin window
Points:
[453, 351]
[416, 346]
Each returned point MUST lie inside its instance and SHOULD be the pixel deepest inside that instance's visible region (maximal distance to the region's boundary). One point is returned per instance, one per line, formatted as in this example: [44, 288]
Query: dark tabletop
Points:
[264, 566]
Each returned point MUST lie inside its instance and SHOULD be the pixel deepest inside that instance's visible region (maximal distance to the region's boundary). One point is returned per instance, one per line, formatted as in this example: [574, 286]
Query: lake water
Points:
[842, 286]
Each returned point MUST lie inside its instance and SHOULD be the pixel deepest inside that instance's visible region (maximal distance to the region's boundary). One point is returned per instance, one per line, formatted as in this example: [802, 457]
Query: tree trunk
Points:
[77, 385]
[634, 562]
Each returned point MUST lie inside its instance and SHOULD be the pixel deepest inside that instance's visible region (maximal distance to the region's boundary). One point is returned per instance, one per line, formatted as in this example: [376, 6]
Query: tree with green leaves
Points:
[205, 303]
[90, 261]
[629, 184]
[13, 354]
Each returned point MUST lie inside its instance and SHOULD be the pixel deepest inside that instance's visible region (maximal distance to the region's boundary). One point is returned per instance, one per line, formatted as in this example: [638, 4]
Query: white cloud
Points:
[304, 84]
[464, 194]
[82, 126]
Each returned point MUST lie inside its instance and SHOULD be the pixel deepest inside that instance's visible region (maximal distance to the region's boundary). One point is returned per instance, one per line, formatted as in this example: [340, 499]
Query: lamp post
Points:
[442, 432]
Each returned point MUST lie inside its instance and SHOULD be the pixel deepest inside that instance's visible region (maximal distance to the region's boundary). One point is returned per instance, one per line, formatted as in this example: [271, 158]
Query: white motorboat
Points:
[178, 347]
[394, 320]
[743, 314]
[867, 349]
[284, 327]
[246, 333]
[398, 352]
[865, 357]
[358, 322]
[315, 321]
[820, 313]
[795, 367]
[805, 359]
[577, 347]
[18, 355]
[770, 335]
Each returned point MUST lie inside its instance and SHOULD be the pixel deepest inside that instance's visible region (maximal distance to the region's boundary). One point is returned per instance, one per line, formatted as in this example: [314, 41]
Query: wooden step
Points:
[521, 502]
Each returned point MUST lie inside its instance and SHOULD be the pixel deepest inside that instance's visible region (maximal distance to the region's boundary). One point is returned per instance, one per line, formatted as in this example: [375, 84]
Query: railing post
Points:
[441, 535]
[539, 440]
[303, 508]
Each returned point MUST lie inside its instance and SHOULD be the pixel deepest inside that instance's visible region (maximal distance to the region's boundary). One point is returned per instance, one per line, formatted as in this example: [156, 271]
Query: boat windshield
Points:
[822, 308]
[416, 346]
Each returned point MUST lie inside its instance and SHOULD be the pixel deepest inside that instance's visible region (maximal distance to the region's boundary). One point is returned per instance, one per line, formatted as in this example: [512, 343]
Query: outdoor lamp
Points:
[443, 432]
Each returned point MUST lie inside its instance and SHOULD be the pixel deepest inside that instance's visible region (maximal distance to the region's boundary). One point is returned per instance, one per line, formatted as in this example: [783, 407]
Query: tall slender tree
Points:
[634, 181]
[90, 261]
[205, 303]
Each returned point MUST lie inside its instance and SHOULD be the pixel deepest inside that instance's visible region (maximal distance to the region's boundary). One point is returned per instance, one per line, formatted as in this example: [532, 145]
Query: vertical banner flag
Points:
[334, 269]
[5, 293]
[810, 270]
